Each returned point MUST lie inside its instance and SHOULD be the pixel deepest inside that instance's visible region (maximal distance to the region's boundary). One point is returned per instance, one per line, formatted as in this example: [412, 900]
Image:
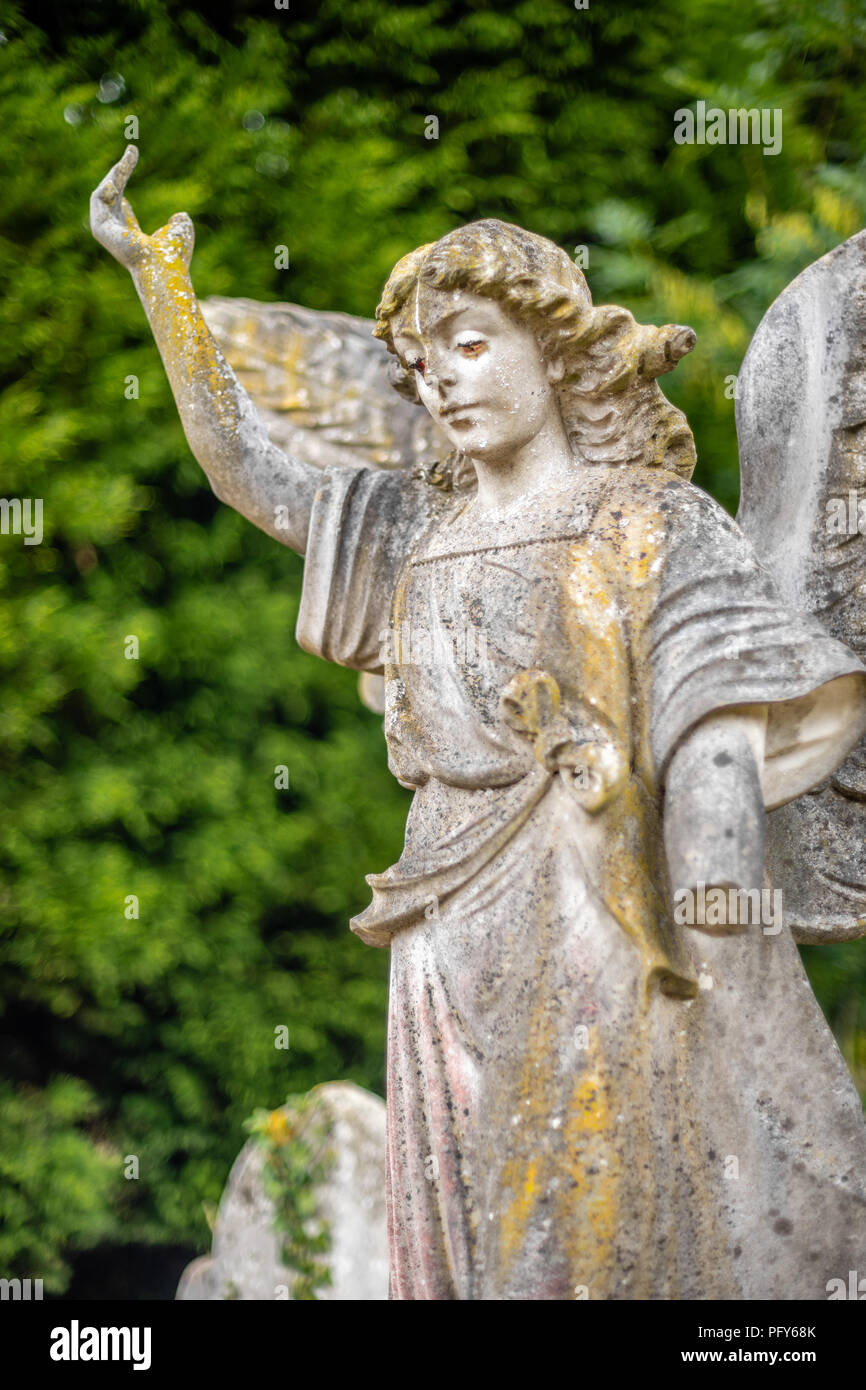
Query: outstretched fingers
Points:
[112, 220]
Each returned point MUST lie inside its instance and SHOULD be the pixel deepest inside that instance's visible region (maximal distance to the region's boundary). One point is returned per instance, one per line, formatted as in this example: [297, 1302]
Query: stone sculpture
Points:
[247, 1260]
[608, 1077]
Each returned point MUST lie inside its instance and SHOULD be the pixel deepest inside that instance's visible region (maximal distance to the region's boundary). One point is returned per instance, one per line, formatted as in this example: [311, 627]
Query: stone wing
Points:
[321, 384]
[801, 426]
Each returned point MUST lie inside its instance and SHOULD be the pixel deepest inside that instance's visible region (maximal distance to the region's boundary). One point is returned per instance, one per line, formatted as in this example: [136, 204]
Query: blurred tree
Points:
[153, 777]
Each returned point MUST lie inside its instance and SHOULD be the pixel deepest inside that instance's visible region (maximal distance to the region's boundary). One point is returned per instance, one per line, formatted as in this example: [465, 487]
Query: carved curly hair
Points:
[613, 410]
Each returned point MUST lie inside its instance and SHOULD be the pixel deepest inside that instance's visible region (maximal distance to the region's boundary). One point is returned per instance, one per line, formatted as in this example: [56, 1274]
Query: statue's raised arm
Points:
[244, 467]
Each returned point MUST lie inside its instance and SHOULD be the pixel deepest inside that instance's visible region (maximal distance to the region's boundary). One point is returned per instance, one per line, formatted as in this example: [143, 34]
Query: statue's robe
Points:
[586, 1099]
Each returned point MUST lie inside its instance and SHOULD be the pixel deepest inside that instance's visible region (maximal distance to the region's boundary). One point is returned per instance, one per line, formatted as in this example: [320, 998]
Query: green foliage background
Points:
[155, 1037]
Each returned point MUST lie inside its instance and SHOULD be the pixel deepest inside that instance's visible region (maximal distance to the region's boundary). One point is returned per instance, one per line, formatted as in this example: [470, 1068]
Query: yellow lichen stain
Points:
[563, 1167]
[594, 1193]
[612, 585]
[574, 1169]
[604, 669]
[189, 351]
[530, 1187]
[588, 1112]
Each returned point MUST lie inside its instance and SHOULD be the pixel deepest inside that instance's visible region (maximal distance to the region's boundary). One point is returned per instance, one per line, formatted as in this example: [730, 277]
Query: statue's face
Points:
[479, 372]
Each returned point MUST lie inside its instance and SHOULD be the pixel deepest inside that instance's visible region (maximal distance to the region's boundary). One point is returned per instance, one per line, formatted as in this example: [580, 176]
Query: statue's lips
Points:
[451, 410]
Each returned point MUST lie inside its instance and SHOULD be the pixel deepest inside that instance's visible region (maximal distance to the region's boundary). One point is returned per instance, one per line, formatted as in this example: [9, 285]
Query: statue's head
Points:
[493, 326]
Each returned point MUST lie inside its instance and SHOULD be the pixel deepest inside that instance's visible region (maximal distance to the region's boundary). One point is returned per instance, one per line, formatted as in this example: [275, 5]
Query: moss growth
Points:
[298, 1159]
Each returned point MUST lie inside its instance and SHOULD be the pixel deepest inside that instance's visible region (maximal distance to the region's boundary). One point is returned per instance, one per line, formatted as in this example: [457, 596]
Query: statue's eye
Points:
[472, 347]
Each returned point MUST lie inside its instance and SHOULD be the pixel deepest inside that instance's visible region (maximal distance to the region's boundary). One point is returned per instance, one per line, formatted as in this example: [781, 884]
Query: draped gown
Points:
[585, 1100]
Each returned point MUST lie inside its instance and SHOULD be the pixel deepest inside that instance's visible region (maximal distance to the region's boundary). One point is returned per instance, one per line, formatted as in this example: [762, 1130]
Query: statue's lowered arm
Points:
[714, 819]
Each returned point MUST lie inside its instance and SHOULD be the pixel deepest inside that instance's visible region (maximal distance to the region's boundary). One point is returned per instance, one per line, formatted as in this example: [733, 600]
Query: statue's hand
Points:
[596, 772]
[591, 764]
[115, 225]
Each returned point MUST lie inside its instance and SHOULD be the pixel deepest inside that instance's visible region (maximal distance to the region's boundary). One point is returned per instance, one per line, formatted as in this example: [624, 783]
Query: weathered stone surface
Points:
[321, 384]
[801, 425]
[246, 1264]
[595, 690]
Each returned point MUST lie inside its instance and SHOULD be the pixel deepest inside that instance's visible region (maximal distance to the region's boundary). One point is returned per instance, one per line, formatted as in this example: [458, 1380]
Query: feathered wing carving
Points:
[801, 426]
[321, 384]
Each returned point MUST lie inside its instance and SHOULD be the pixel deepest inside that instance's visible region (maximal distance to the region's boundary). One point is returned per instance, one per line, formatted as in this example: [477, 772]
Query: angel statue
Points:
[607, 1074]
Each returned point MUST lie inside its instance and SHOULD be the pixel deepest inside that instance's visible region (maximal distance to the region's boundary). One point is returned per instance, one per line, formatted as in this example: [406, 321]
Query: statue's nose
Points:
[439, 373]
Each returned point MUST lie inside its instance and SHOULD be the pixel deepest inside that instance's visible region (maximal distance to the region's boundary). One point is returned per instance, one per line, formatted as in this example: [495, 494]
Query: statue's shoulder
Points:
[653, 497]
[645, 520]
[643, 489]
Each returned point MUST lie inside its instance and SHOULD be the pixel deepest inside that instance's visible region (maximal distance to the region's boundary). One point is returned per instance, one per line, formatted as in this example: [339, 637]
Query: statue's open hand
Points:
[115, 225]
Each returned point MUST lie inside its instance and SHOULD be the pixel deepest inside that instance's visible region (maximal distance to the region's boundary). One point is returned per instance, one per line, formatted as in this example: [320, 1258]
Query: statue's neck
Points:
[546, 462]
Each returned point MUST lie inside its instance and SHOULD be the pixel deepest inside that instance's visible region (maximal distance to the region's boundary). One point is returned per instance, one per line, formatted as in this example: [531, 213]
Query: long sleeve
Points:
[363, 526]
[721, 637]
